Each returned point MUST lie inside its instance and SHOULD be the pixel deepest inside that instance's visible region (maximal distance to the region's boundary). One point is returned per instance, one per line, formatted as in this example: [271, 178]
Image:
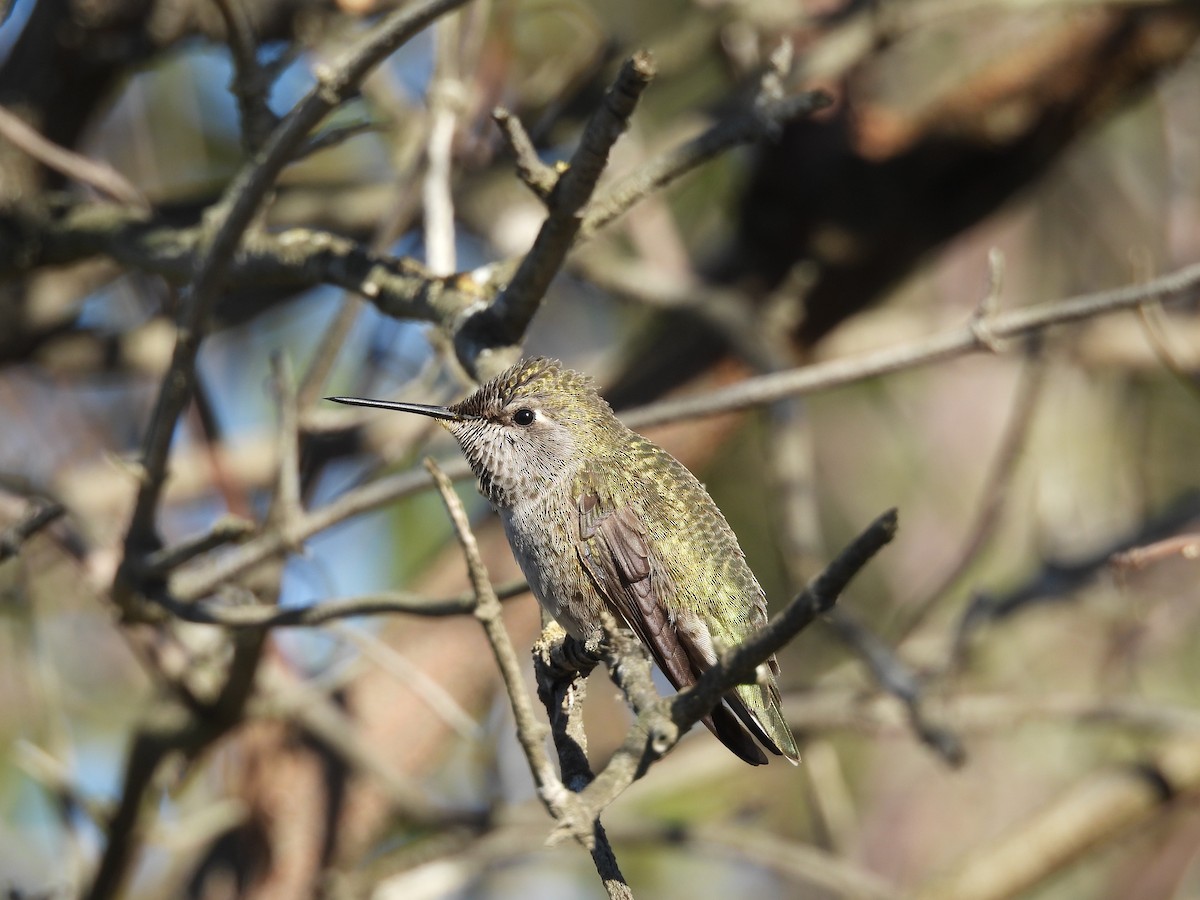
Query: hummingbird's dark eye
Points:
[524, 416]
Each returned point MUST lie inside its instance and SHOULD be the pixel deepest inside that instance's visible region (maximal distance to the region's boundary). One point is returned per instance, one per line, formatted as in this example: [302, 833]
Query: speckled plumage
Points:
[597, 516]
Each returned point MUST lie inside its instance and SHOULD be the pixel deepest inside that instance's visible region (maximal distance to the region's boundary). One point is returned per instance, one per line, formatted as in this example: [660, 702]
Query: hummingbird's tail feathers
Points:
[758, 708]
[729, 731]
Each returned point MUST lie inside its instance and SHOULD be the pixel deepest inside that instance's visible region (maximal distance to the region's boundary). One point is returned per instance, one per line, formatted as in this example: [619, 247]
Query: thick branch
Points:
[168, 727]
[297, 258]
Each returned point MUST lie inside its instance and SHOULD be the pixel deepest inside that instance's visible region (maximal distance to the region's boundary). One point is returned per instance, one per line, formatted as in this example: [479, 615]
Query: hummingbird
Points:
[600, 518]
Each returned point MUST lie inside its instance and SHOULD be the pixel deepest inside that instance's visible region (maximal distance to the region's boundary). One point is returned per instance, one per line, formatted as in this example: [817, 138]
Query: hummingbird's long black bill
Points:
[434, 412]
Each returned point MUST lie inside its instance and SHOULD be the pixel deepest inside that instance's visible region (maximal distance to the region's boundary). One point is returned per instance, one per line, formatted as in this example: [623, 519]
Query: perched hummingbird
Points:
[599, 517]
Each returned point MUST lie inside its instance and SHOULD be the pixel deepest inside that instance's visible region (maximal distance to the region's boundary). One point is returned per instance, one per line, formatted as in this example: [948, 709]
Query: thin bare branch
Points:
[325, 611]
[227, 530]
[446, 100]
[42, 515]
[531, 733]
[167, 727]
[1184, 545]
[251, 82]
[324, 721]
[286, 503]
[991, 504]
[535, 174]
[848, 709]
[440, 701]
[561, 678]
[503, 323]
[739, 666]
[172, 726]
[334, 136]
[805, 865]
[105, 179]
[897, 678]
[758, 120]
[1056, 580]
[1096, 810]
[957, 342]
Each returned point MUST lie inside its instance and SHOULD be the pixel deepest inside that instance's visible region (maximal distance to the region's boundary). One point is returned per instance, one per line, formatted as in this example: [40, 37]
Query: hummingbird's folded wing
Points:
[617, 556]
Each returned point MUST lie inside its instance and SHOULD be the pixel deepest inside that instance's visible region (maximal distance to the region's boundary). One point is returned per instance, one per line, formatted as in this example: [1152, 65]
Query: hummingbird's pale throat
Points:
[600, 519]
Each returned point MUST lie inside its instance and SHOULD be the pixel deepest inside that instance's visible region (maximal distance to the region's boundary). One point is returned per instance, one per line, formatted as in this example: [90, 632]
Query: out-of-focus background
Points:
[1022, 151]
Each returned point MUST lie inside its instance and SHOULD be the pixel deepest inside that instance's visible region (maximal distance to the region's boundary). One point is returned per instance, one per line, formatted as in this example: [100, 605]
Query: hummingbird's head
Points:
[524, 430]
[529, 427]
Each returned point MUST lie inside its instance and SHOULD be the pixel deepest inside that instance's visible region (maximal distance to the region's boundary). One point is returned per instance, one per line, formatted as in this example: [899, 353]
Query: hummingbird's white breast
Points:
[544, 547]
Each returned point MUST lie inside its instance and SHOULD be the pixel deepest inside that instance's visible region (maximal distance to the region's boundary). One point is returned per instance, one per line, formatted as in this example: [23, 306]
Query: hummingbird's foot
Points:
[563, 655]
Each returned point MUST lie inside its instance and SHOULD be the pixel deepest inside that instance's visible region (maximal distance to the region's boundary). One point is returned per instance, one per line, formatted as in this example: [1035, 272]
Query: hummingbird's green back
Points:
[699, 596]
